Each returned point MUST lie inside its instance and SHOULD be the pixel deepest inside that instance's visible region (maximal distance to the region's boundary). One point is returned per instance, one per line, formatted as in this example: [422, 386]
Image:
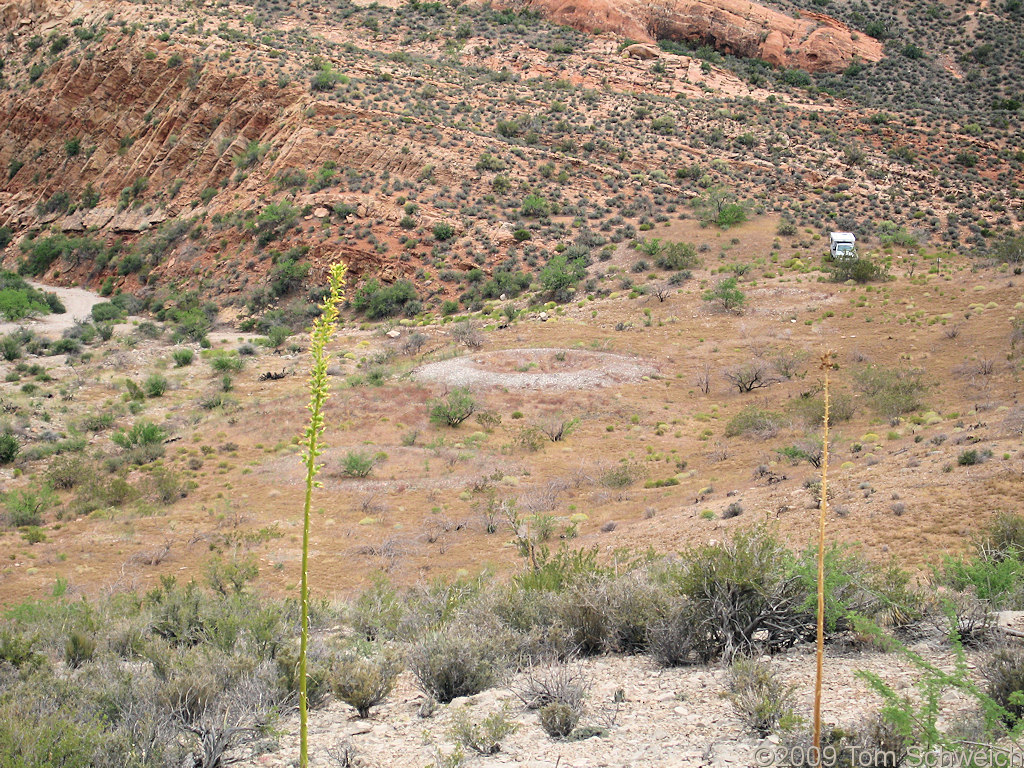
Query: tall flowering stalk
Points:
[323, 328]
[826, 365]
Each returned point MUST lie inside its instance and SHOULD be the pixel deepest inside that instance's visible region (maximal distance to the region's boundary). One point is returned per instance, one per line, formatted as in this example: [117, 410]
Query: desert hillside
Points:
[573, 443]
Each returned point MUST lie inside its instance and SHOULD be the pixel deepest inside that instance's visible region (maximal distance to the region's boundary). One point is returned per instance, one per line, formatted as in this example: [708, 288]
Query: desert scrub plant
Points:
[558, 720]
[727, 294]
[484, 736]
[319, 388]
[155, 385]
[357, 464]
[142, 443]
[226, 362]
[182, 356]
[892, 391]
[763, 702]
[1003, 673]
[448, 665]
[9, 447]
[365, 681]
[452, 409]
[26, 506]
[78, 649]
[755, 421]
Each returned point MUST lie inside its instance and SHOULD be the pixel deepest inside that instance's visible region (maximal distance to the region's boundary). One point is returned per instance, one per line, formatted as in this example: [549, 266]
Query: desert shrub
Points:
[377, 301]
[995, 579]
[66, 472]
[142, 433]
[273, 222]
[448, 665]
[357, 464]
[226, 362]
[364, 682]
[755, 421]
[860, 270]
[78, 649]
[155, 385]
[621, 475]
[442, 231]
[810, 408]
[727, 294]
[453, 409]
[560, 275]
[678, 639]
[558, 720]
[763, 702]
[483, 737]
[892, 391]
[182, 357]
[1003, 672]
[9, 447]
[676, 257]
[106, 312]
[10, 347]
[318, 673]
[857, 587]
[745, 594]
[26, 506]
[377, 612]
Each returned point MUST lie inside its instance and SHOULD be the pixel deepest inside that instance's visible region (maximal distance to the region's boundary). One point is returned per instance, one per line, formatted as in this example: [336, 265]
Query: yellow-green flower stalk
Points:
[323, 328]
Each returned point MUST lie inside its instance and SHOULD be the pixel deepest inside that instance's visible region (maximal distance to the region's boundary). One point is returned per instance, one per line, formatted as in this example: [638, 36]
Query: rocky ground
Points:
[667, 717]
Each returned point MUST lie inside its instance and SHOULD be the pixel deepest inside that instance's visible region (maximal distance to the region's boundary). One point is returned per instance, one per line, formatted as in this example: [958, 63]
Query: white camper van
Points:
[843, 246]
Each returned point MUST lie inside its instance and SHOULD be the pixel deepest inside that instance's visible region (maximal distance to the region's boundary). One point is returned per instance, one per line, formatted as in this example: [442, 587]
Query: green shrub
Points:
[448, 665]
[9, 447]
[558, 720]
[535, 206]
[182, 357]
[26, 506]
[560, 275]
[443, 231]
[155, 385]
[107, 312]
[142, 433]
[453, 409]
[364, 682]
[860, 270]
[378, 301]
[1003, 672]
[79, 649]
[892, 391]
[483, 737]
[755, 421]
[357, 464]
[727, 293]
[226, 362]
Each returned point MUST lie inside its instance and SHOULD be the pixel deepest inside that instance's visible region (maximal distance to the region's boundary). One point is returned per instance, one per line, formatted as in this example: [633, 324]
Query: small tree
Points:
[749, 376]
[454, 409]
[560, 275]
[727, 294]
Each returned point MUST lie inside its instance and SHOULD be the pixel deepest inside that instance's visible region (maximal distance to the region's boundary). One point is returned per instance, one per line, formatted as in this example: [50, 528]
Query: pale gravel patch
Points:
[590, 370]
[669, 718]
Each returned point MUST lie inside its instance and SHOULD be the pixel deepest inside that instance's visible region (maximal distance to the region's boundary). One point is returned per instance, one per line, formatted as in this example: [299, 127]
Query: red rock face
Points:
[814, 42]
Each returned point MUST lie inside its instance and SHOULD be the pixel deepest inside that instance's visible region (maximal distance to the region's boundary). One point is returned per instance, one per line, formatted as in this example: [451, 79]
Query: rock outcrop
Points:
[814, 42]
